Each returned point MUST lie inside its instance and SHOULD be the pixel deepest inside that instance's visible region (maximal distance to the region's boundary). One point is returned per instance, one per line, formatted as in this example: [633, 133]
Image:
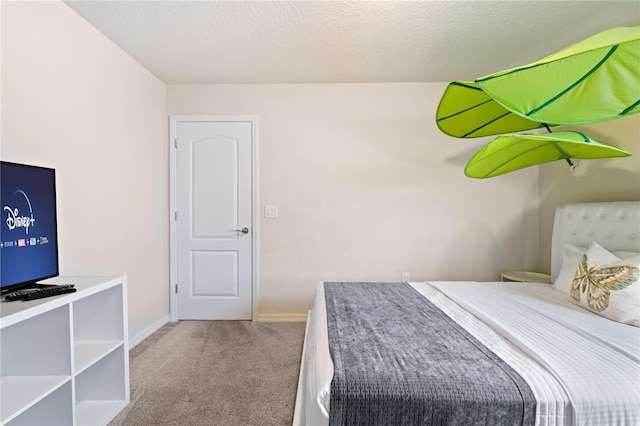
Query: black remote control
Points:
[38, 293]
[18, 294]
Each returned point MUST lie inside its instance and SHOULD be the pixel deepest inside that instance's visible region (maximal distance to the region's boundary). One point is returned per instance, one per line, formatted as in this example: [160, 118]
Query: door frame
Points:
[173, 205]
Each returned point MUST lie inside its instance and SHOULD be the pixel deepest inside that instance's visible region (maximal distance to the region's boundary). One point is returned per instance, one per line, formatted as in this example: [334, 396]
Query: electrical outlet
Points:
[405, 277]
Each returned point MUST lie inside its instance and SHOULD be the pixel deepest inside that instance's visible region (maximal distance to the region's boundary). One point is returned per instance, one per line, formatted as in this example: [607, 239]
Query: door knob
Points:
[244, 230]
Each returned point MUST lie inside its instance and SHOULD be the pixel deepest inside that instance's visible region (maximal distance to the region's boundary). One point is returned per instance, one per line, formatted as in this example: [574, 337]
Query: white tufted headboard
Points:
[613, 225]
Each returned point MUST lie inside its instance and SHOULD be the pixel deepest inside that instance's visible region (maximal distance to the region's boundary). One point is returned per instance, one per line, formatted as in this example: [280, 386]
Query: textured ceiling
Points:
[340, 41]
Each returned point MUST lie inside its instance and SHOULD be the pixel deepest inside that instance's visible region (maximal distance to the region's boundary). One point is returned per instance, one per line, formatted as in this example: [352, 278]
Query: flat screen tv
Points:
[28, 231]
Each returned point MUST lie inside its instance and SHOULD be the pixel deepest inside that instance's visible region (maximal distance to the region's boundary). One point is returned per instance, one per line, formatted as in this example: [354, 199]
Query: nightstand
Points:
[525, 277]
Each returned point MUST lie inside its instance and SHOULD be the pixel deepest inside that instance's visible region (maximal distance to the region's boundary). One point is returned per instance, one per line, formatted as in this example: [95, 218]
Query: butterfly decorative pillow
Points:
[607, 285]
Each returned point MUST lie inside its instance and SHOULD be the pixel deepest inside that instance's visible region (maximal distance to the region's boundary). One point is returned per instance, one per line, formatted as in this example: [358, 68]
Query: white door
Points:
[214, 219]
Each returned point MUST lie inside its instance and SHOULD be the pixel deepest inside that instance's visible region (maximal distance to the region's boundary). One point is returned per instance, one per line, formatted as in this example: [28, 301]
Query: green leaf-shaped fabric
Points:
[594, 80]
[466, 111]
[513, 152]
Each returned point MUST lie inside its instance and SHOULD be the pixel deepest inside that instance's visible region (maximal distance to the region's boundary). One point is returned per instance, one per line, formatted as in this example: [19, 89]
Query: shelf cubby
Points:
[34, 360]
[96, 402]
[53, 410]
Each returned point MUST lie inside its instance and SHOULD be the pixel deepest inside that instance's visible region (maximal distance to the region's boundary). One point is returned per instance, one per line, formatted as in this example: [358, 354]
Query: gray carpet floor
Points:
[215, 373]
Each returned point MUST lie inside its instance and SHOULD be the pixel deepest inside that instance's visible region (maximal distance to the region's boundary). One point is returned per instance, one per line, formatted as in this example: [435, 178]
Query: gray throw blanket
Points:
[400, 360]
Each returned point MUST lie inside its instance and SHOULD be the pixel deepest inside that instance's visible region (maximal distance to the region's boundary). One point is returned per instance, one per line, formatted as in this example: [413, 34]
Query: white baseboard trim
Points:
[282, 317]
[148, 331]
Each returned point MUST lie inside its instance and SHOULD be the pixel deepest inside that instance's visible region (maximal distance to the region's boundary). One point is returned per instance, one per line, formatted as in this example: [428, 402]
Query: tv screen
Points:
[28, 231]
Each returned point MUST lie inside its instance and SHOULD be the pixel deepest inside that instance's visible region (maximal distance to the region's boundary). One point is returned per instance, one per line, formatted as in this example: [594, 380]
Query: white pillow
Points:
[570, 257]
[625, 254]
[608, 286]
[600, 255]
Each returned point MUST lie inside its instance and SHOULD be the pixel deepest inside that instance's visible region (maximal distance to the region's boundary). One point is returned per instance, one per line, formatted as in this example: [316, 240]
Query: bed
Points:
[563, 361]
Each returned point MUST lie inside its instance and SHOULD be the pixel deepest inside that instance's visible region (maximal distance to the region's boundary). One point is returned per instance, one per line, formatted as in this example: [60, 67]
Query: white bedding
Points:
[583, 369]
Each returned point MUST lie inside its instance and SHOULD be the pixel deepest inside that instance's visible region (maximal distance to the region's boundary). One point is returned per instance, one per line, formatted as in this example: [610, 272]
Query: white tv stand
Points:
[64, 360]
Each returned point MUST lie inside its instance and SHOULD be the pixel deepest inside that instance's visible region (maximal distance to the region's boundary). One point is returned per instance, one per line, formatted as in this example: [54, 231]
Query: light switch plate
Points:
[270, 210]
